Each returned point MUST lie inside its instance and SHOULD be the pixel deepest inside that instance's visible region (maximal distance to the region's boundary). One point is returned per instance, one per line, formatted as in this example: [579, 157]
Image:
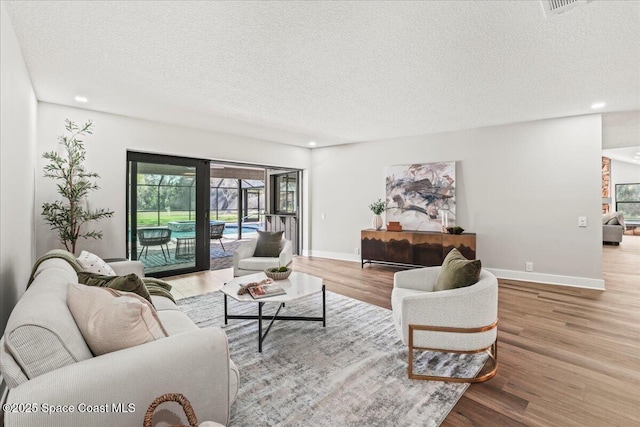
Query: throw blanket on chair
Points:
[154, 286]
[611, 215]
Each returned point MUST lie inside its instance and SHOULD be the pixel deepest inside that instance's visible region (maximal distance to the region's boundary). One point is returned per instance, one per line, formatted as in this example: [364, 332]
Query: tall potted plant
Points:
[70, 215]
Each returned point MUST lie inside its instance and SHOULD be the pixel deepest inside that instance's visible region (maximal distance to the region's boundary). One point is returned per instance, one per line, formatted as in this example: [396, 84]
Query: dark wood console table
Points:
[413, 248]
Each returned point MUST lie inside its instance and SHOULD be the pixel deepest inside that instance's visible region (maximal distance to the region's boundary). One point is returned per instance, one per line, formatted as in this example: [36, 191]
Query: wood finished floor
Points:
[567, 356]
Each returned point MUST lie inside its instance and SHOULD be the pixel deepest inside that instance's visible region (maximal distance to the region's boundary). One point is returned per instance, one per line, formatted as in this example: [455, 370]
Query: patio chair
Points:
[154, 237]
[216, 232]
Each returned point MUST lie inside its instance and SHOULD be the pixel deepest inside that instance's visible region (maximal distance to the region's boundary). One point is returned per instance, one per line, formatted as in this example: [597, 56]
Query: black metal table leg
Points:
[324, 308]
[225, 309]
[273, 317]
[260, 304]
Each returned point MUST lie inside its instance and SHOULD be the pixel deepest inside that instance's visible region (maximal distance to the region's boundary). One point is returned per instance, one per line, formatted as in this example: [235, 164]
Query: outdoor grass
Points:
[150, 219]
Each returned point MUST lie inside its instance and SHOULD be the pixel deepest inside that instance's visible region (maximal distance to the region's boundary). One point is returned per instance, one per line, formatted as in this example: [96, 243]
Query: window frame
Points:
[627, 202]
[291, 193]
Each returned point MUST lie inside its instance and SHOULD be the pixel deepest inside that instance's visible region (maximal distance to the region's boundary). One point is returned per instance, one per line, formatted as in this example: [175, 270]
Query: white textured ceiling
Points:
[333, 72]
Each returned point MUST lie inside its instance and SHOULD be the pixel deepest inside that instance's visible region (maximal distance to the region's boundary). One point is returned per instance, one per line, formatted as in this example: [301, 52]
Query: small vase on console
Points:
[376, 222]
[377, 208]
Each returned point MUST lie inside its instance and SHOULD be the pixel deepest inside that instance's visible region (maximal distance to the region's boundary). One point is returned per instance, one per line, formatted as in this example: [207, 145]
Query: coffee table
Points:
[298, 285]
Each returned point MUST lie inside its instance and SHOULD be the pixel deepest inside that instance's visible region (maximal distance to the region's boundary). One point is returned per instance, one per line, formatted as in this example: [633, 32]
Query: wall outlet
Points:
[323, 216]
[357, 251]
[528, 266]
[582, 221]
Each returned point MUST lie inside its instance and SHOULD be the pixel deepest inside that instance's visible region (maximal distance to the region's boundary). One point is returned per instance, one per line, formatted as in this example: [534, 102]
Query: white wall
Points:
[18, 108]
[623, 173]
[520, 188]
[106, 154]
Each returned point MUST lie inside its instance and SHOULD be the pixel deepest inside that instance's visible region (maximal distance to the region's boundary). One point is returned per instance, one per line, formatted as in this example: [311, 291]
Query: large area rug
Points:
[222, 258]
[351, 373]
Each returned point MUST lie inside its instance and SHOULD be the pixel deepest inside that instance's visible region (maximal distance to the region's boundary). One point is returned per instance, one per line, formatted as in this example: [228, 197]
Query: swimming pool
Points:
[229, 230]
[246, 228]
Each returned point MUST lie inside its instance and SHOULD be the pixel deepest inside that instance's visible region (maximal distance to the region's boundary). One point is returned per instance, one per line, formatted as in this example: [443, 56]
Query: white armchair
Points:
[462, 320]
[245, 263]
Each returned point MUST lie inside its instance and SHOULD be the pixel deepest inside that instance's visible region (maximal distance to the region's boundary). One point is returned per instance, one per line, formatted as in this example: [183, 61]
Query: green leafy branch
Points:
[378, 207]
[69, 216]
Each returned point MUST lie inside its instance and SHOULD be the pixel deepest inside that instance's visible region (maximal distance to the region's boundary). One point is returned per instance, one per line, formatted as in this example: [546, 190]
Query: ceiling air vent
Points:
[556, 7]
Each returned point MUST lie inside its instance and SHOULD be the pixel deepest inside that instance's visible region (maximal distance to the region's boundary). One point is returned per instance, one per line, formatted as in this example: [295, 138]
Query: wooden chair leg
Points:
[491, 350]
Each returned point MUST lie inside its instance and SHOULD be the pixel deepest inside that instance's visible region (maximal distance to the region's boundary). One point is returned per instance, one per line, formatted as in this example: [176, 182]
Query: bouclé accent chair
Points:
[244, 261]
[462, 320]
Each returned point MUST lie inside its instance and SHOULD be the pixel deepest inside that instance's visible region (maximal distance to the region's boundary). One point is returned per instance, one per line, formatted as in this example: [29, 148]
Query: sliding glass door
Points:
[168, 213]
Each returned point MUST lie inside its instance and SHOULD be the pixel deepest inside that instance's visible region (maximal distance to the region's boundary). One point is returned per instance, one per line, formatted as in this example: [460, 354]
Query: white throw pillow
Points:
[111, 320]
[94, 264]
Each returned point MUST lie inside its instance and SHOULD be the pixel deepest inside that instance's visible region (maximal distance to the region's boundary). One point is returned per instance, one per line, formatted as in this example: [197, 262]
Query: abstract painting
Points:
[422, 196]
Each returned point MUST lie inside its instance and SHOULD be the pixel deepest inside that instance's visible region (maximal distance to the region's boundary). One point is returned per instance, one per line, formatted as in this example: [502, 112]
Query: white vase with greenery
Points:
[377, 208]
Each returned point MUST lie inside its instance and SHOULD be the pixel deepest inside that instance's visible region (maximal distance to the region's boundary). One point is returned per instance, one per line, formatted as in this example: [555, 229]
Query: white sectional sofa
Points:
[48, 366]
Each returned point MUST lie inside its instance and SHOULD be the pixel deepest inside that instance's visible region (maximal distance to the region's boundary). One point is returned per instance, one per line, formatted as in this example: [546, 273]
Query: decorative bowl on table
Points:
[278, 273]
[455, 230]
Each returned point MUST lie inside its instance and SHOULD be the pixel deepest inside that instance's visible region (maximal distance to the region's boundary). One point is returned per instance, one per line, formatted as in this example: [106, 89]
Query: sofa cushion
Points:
[163, 303]
[269, 244]
[9, 369]
[176, 322]
[613, 218]
[234, 382]
[457, 272]
[612, 233]
[129, 283]
[111, 320]
[95, 264]
[258, 263]
[41, 335]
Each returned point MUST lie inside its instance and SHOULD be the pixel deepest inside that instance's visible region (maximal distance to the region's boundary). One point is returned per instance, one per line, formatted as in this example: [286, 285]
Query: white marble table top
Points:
[298, 285]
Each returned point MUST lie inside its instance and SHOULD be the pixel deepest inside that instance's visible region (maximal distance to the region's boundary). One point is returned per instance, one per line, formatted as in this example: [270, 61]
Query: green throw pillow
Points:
[457, 272]
[129, 283]
[268, 244]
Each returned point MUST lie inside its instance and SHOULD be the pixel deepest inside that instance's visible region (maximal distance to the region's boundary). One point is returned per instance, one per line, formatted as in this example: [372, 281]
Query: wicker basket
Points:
[279, 275]
[172, 397]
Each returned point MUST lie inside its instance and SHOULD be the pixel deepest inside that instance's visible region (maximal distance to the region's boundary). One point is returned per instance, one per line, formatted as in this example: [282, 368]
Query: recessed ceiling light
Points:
[81, 99]
[597, 105]
[312, 143]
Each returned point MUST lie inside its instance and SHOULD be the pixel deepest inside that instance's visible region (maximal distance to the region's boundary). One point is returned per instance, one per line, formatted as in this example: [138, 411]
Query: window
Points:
[628, 201]
[285, 187]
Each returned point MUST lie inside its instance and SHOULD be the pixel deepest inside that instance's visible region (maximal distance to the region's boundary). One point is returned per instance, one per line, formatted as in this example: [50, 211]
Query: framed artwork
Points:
[422, 196]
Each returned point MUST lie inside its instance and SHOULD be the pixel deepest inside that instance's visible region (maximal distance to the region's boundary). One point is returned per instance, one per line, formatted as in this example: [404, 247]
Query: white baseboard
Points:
[549, 279]
[333, 255]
